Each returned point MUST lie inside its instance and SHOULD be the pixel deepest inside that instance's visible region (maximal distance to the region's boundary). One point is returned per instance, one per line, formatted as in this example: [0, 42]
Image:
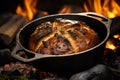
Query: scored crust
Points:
[62, 36]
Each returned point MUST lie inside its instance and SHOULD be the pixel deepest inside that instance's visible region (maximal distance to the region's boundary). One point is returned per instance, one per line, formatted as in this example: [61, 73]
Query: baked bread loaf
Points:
[62, 36]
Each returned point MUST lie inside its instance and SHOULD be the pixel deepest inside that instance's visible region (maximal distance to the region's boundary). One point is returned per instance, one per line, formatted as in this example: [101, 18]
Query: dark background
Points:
[50, 6]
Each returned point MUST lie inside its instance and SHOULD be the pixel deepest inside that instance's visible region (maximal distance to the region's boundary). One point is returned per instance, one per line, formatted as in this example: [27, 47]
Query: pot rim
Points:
[72, 14]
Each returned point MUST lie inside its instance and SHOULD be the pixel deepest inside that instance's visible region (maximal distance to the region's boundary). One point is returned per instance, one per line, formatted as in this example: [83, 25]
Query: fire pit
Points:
[11, 23]
[112, 50]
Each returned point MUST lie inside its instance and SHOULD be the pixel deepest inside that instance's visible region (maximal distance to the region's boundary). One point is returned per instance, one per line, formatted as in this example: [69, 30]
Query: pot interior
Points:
[27, 30]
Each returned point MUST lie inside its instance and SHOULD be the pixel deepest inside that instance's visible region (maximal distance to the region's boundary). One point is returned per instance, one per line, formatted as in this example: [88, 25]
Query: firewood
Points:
[9, 30]
[4, 18]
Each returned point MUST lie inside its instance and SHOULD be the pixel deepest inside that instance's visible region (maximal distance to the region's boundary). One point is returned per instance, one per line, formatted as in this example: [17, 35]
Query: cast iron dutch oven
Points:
[69, 63]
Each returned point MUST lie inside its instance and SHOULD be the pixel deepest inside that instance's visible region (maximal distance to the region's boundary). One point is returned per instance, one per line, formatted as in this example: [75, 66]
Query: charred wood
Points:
[9, 30]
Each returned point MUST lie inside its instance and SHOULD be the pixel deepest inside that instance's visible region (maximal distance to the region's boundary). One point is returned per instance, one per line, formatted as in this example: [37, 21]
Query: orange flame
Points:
[117, 36]
[108, 8]
[29, 9]
[110, 45]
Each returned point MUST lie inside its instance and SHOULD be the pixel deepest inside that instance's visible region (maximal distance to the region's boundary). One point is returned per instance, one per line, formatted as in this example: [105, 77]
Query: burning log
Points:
[9, 30]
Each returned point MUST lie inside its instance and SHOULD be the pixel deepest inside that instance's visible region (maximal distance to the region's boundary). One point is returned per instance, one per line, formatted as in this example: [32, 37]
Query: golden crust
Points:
[64, 37]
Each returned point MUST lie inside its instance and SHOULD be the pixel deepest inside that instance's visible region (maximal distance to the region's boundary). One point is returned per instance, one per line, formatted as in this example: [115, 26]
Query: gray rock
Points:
[98, 72]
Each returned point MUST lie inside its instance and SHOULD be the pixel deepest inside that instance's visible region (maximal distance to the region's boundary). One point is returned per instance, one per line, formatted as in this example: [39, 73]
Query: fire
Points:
[110, 45]
[117, 36]
[108, 8]
[29, 10]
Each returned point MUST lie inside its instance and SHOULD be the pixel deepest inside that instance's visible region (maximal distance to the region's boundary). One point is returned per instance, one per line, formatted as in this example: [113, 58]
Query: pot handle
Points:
[25, 55]
[97, 16]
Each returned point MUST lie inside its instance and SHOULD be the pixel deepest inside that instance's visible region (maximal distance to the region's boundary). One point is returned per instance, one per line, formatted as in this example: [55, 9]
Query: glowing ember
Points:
[109, 8]
[117, 36]
[29, 9]
[110, 45]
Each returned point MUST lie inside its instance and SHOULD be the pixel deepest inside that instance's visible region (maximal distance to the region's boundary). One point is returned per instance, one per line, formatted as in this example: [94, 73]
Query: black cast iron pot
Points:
[68, 63]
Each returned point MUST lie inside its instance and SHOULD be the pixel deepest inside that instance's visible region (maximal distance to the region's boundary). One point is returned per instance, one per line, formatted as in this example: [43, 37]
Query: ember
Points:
[110, 45]
[117, 36]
